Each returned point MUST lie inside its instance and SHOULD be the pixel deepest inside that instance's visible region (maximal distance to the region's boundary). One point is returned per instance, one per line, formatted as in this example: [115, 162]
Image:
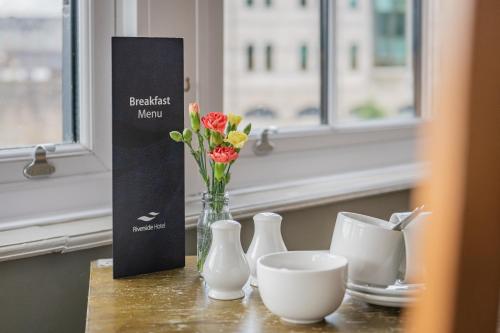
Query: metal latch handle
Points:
[263, 145]
[40, 167]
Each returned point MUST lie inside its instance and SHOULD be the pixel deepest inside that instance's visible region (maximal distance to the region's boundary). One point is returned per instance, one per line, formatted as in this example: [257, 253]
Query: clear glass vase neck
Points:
[209, 199]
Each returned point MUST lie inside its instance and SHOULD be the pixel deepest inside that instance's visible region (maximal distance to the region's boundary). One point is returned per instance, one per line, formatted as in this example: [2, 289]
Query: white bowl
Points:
[302, 286]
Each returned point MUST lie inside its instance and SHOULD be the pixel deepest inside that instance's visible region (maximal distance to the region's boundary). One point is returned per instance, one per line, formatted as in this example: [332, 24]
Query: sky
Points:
[30, 8]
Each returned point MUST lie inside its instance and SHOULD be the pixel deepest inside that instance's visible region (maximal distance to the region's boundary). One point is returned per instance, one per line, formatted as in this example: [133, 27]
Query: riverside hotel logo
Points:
[150, 226]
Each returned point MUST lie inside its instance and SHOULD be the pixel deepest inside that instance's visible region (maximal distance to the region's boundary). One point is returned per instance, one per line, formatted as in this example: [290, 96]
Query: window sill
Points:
[293, 195]
[311, 192]
[55, 238]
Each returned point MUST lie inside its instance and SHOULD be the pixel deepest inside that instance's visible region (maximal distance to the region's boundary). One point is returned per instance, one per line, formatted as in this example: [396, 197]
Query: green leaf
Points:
[247, 129]
[176, 136]
[187, 135]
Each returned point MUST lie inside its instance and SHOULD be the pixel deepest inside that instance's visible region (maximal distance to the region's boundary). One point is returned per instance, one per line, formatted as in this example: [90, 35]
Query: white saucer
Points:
[392, 301]
[397, 289]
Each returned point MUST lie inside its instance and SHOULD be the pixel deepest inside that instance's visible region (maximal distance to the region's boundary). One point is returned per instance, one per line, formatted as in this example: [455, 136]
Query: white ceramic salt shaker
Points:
[266, 239]
[226, 269]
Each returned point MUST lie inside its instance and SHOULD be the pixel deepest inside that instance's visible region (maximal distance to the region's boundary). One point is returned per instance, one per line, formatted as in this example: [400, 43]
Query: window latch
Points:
[40, 167]
[263, 145]
[187, 86]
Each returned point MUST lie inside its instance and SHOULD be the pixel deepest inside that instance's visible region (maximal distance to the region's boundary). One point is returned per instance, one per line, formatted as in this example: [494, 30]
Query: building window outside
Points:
[303, 57]
[250, 58]
[367, 44]
[353, 56]
[390, 32]
[269, 57]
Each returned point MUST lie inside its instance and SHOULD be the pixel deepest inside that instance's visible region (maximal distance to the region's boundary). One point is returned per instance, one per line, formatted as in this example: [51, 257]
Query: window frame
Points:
[308, 167]
[83, 169]
[329, 124]
[397, 138]
[335, 148]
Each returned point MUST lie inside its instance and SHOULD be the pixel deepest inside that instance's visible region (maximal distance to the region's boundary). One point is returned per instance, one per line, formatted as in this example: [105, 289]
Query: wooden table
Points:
[176, 301]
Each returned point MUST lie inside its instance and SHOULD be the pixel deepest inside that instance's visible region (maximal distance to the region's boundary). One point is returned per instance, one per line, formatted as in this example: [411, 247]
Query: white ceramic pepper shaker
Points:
[226, 269]
[266, 239]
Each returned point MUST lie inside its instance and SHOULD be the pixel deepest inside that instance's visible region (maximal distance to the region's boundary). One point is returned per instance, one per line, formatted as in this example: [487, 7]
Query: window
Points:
[376, 81]
[303, 57]
[390, 32]
[36, 73]
[353, 4]
[282, 89]
[269, 57]
[324, 114]
[250, 61]
[353, 56]
[55, 87]
[249, 3]
[342, 113]
[268, 3]
[373, 76]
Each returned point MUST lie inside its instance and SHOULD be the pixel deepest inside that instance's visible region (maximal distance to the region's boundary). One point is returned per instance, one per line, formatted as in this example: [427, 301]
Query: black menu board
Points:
[148, 167]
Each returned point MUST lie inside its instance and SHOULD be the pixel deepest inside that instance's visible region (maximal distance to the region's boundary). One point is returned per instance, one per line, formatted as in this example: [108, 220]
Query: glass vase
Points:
[215, 207]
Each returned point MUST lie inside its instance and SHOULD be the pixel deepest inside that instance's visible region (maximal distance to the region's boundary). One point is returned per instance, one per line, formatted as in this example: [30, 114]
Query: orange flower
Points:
[223, 154]
[215, 121]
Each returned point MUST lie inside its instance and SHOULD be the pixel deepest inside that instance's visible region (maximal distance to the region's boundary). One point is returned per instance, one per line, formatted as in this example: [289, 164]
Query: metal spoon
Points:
[404, 222]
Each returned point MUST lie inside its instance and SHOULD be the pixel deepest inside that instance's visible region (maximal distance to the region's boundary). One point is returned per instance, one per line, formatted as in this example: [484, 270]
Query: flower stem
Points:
[203, 162]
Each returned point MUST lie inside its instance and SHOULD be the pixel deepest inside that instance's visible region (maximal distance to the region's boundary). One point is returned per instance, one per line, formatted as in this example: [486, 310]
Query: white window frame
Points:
[81, 185]
[321, 154]
[308, 167]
